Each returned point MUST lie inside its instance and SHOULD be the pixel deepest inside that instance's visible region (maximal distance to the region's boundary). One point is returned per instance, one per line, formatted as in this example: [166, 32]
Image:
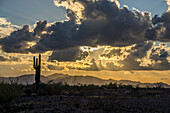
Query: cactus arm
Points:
[34, 62]
[39, 61]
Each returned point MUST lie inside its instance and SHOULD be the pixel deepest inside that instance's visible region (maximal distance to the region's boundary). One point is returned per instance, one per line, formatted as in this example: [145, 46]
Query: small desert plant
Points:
[159, 85]
[95, 104]
[9, 91]
[125, 86]
[27, 90]
[52, 89]
[111, 86]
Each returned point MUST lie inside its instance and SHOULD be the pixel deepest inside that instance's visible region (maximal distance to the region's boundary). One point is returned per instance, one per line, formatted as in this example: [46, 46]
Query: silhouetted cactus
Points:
[37, 67]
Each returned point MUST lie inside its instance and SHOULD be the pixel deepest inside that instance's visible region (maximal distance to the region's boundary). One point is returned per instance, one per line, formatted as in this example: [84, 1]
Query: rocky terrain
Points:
[94, 101]
[59, 93]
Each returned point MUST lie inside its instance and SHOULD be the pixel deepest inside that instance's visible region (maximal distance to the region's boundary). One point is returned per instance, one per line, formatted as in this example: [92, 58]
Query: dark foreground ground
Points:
[94, 101]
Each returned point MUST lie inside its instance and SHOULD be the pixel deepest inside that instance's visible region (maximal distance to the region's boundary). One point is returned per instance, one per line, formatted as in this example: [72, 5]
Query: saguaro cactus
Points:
[37, 67]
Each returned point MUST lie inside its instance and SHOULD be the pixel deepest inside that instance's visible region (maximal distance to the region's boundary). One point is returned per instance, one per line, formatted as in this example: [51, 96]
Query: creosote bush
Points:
[12, 90]
[9, 91]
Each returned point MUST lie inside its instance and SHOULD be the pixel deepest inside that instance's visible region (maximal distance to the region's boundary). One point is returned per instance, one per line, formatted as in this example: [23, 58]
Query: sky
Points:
[105, 37]
[21, 12]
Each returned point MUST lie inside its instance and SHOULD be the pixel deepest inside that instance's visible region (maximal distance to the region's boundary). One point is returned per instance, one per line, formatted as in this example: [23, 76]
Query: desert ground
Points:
[93, 101]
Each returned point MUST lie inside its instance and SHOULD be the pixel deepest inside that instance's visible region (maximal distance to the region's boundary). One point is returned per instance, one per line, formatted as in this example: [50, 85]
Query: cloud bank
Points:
[6, 27]
[161, 27]
[141, 56]
[93, 23]
[89, 23]
[17, 41]
[9, 59]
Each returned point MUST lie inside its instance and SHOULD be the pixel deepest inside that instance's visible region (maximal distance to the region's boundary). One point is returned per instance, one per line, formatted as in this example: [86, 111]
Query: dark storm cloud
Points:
[40, 27]
[130, 62]
[90, 24]
[71, 54]
[159, 55]
[18, 40]
[161, 29]
[156, 19]
[143, 56]
[102, 23]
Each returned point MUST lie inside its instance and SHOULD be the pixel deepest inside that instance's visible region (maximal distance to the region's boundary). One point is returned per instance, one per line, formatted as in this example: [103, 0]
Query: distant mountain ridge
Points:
[74, 80]
[23, 79]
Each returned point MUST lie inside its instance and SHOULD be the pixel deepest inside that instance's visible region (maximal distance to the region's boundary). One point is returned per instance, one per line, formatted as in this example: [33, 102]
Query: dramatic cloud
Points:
[121, 36]
[159, 57]
[19, 41]
[89, 23]
[142, 56]
[15, 59]
[6, 27]
[2, 58]
[161, 28]
[95, 23]
[71, 54]
[10, 59]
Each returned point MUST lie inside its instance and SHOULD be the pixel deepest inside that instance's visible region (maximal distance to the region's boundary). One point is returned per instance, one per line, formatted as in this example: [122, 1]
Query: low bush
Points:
[9, 91]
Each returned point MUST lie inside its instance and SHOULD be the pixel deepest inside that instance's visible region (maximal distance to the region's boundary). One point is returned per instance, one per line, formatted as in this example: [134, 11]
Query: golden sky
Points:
[96, 38]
